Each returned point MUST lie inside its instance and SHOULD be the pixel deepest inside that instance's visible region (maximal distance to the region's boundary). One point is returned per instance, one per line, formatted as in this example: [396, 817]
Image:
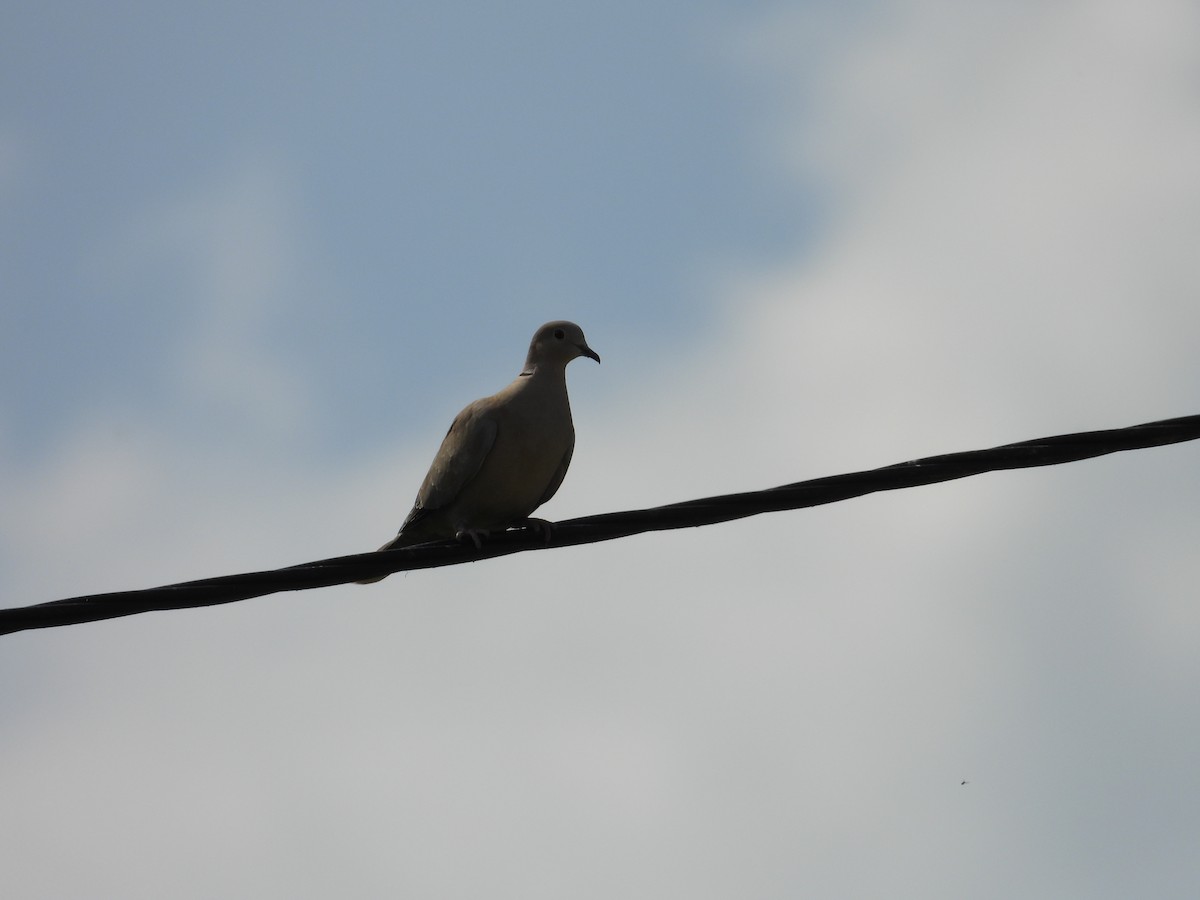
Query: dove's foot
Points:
[541, 526]
[474, 535]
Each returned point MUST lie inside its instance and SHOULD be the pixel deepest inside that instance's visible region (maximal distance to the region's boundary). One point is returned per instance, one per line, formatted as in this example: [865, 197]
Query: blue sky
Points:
[253, 263]
[422, 165]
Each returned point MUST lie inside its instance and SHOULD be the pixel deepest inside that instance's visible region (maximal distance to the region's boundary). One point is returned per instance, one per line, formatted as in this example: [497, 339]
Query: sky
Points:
[254, 260]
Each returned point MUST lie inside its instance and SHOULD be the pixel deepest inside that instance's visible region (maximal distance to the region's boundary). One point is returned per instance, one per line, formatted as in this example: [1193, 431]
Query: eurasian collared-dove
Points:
[504, 455]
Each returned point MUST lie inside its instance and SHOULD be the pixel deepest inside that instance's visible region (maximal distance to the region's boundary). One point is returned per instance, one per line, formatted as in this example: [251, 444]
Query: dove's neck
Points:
[544, 371]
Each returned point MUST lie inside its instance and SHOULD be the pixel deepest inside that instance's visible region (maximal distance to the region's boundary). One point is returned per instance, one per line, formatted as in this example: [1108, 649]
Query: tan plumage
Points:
[504, 455]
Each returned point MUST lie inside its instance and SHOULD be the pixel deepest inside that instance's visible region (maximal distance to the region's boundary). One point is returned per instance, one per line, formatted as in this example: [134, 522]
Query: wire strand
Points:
[1048, 451]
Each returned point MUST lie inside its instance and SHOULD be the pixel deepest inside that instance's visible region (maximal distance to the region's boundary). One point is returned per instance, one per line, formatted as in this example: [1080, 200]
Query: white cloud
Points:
[234, 247]
[1030, 229]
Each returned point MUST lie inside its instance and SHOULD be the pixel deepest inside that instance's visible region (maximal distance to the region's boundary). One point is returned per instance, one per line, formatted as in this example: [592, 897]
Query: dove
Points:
[504, 455]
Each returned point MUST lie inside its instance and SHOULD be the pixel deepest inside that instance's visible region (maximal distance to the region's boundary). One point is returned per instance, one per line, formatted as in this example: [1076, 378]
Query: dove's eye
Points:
[559, 334]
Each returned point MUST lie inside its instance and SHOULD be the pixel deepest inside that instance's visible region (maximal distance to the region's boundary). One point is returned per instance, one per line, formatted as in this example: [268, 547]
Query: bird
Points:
[504, 455]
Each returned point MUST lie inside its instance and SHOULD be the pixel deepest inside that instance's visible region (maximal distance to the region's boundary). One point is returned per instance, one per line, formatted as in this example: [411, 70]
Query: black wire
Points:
[1047, 451]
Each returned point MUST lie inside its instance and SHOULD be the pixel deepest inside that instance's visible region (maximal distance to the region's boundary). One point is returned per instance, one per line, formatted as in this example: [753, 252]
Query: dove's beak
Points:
[585, 350]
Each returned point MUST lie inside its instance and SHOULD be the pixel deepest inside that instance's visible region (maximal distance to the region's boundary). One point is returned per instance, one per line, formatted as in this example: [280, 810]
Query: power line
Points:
[1046, 451]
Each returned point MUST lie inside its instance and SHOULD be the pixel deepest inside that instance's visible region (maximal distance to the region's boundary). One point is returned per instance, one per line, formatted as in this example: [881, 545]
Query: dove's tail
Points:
[395, 542]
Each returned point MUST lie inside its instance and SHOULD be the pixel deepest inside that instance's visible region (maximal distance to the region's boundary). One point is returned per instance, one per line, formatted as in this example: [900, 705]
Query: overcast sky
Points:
[254, 260]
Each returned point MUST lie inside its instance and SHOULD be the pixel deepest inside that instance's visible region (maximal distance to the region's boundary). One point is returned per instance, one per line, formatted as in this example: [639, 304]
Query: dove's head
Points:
[557, 343]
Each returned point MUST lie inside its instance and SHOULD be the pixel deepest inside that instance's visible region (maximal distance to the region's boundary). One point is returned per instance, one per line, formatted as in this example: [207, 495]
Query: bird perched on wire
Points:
[504, 455]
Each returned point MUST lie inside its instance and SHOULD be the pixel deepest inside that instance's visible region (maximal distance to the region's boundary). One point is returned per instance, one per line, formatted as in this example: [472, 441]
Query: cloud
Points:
[234, 246]
[1032, 206]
